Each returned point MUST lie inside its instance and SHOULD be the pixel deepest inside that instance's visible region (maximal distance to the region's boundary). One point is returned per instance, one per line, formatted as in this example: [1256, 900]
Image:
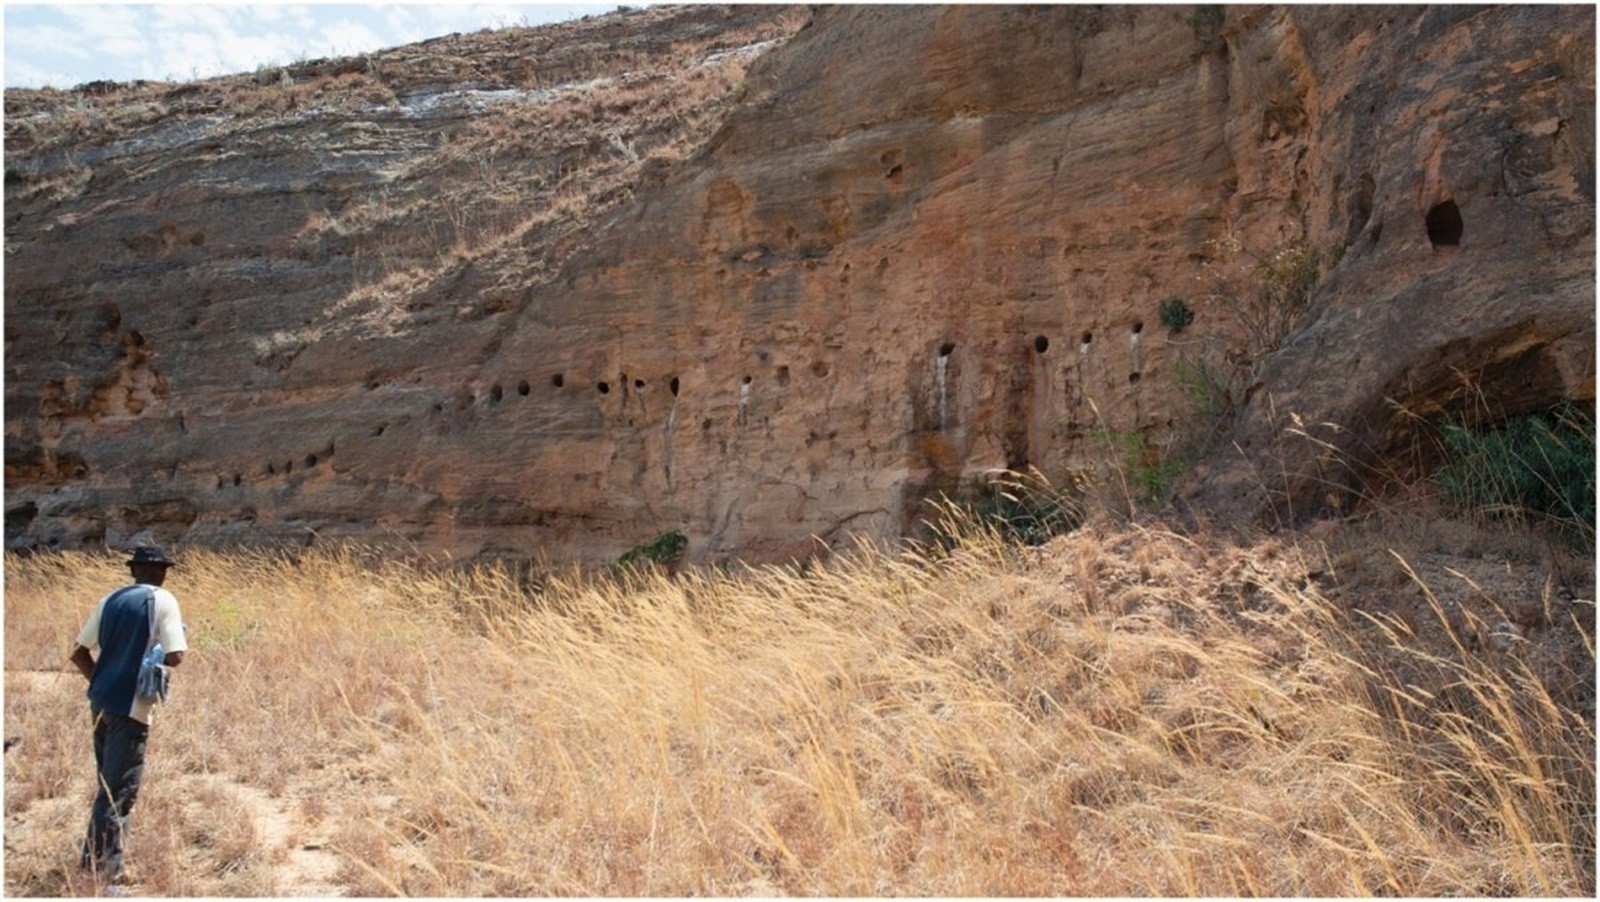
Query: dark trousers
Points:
[119, 766]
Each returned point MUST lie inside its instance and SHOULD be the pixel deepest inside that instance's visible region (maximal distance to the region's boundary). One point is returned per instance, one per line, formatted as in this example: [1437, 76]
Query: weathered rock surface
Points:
[602, 288]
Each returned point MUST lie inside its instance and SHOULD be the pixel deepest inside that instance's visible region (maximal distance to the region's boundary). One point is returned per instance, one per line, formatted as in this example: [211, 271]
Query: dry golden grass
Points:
[1126, 711]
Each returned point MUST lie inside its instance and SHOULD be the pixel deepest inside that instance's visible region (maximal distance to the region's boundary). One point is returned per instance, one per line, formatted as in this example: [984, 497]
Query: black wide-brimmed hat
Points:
[150, 554]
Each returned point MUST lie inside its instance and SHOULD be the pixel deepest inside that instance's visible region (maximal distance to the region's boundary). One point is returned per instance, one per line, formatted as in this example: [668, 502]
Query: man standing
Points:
[124, 626]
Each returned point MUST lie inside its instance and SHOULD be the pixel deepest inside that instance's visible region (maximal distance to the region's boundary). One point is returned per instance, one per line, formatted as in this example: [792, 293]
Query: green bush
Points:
[1175, 314]
[1207, 387]
[1021, 508]
[663, 549]
[1540, 464]
[1149, 478]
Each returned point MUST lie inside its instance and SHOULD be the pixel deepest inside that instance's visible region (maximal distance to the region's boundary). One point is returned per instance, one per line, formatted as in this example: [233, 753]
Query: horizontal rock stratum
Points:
[774, 276]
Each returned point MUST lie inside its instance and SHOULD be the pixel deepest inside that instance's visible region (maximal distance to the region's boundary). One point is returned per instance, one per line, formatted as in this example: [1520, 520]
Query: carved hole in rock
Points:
[1133, 378]
[558, 380]
[288, 467]
[746, 380]
[1444, 224]
[1138, 327]
[705, 425]
[237, 479]
[272, 470]
[783, 376]
[1041, 344]
[523, 388]
[379, 429]
[638, 383]
[894, 172]
[1088, 337]
[820, 369]
[603, 388]
[946, 349]
[673, 385]
[311, 460]
[495, 393]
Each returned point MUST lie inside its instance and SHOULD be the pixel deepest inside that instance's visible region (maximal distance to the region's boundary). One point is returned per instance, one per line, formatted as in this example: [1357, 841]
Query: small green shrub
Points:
[1021, 508]
[1541, 464]
[1175, 314]
[663, 549]
[1207, 387]
[1149, 478]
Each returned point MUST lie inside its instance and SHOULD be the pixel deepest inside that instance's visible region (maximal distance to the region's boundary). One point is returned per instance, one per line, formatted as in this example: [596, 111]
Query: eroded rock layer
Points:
[771, 277]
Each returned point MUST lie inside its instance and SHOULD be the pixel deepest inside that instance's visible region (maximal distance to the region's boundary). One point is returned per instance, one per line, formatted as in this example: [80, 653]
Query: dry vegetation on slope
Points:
[1123, 711]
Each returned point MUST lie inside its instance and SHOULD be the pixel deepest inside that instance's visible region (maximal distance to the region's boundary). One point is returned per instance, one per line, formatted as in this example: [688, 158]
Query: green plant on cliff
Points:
[1208, 387]
[1175, 314]
[1538, 464]
[1265, 295]
[665, 549]
[1024, 508]
[1146, 476]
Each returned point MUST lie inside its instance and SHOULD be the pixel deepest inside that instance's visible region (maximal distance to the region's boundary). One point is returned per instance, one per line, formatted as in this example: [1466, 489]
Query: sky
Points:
[65, 44]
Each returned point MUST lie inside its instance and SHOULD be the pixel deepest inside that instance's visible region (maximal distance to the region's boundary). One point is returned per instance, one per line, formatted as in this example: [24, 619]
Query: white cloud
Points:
[349, 38]
[23, 74]
[108, 32]
[38, 37]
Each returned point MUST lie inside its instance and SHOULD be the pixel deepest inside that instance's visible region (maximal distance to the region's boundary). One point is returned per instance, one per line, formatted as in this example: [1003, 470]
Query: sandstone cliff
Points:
[564, 289]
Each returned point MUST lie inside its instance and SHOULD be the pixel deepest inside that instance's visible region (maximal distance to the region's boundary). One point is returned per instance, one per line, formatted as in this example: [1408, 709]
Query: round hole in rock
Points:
[1133, 378]
[746, 380]
[603, 388]
[558, 380]
[523, 388]
[638, 383]
[237, 479]
[820, 369]
[673, 385]
[495, 394]
[1445, 225]
[311, 460]
[946, 349]
[1088, 337]
[1041, 344]
[288, 467]
[379, 430]
[1138, 326]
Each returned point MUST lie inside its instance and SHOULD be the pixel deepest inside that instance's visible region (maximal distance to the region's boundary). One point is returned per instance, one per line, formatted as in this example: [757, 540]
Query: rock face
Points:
[574, 299]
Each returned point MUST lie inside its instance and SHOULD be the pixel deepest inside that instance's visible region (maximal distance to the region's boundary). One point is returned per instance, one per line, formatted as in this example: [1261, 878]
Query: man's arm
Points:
[83, 661]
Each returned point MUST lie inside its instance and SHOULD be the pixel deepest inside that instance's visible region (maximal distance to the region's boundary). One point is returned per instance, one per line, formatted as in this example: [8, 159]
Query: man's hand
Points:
[174, 658]
[84, 662]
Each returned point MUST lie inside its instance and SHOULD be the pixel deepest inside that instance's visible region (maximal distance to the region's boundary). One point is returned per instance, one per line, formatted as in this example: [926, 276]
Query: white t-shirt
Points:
[169, 632]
